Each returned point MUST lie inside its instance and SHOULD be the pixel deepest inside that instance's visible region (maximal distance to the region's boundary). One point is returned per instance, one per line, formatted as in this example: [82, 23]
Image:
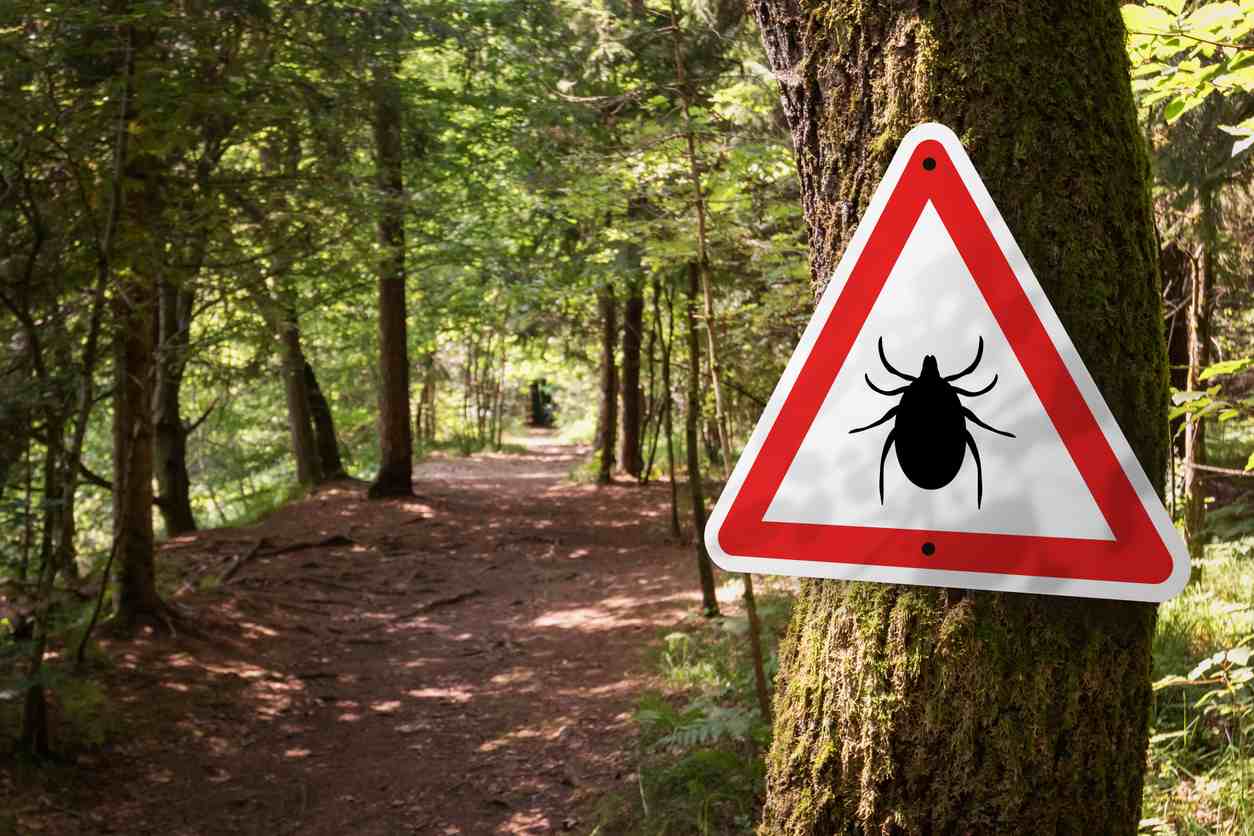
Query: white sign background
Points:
[930, 304]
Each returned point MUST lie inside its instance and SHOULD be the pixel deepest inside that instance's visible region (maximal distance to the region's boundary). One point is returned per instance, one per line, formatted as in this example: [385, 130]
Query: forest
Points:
[369, 370]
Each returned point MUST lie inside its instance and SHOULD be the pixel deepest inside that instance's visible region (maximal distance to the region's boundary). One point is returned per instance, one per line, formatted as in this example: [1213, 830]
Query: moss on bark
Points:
[916, 710]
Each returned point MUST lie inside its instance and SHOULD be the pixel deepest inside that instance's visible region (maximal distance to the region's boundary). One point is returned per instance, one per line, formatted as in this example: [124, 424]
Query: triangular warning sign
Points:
[935, 424]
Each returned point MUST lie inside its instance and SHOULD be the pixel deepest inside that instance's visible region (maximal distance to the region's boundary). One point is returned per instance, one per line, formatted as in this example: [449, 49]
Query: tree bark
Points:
[667, 343]
[1201, 308]
[705, 569]
[607, 422]
[1177, 276]
[633, 325]
[170, 433]
[396, 458]
[326, 440]
[299, 414]
[134, 306]
[918, 710]
[137, 596]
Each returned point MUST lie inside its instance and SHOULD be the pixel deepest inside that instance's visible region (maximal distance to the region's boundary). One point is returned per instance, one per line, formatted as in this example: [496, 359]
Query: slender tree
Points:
[328, 443]
[169, 430]
[396, 459]
[705, 569]
[135, 302]
[607, 419]
[920, 710]
[633, 325]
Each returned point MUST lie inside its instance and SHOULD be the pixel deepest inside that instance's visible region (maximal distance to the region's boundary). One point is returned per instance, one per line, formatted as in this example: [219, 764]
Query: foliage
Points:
[1184, 52]
[702, 738]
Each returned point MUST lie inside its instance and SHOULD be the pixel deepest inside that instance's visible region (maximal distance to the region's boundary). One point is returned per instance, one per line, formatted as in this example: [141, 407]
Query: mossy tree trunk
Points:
[920, 710]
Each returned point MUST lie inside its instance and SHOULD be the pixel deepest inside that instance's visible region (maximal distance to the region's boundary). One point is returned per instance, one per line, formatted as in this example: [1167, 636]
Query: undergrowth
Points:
[1201, 774]
[701, 736]
[701, 739]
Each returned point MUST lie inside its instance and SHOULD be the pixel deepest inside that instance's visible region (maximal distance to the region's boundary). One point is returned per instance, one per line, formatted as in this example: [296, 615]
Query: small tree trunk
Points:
[633, 325]
[1201, 307]
[720, 413]
[608, 418]
[923, 710]
[705, 569]
[667, 343]
[299, 413]
[174, 323]
[328, 444]
[396, 458]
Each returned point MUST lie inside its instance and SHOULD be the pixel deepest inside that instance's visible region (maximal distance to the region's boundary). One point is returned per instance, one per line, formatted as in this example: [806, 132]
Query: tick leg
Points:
[888, 442]
[889, 392]
[889, 414]
[970, 416]
[979, 470]
[985, 390]
[889, 365]
[979, 352]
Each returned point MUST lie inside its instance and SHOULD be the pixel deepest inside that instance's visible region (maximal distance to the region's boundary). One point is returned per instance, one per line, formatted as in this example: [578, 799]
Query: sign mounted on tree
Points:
[936, 426]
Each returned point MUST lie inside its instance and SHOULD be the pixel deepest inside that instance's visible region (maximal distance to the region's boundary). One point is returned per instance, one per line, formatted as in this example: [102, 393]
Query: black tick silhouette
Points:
[930, 429]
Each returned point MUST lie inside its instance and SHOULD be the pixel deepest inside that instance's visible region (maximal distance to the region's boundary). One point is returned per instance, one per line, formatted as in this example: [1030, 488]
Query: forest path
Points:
[465, 662]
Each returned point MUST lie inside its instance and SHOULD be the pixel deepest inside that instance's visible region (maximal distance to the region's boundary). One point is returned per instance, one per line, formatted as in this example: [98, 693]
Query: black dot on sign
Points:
[929, 163]
[929, 549]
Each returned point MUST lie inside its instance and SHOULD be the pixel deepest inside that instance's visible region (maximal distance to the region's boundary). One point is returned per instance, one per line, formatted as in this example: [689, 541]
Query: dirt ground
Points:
[465, 662]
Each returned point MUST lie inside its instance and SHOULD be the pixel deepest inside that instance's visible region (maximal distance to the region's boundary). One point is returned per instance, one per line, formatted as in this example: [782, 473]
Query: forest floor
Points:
[465, 662]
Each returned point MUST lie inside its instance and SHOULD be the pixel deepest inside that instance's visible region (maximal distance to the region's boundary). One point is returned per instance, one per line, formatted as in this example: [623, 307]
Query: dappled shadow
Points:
[462, 662]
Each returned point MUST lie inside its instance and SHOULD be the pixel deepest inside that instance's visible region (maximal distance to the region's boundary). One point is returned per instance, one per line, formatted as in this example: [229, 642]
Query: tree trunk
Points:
[134, 306]
[173, 327]
[137, 597]
[325, 439]
[705, 569]
[299, 413]
[919, 710]
[1201, 307]
[667, 344]
[633, 325]
[396, 457]
[1177, 276]
[607, 422]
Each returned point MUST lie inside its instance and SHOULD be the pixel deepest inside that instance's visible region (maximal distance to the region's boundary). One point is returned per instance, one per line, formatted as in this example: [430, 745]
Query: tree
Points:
[705, 569]
[919, 710]
[607, 418]
[395, 477]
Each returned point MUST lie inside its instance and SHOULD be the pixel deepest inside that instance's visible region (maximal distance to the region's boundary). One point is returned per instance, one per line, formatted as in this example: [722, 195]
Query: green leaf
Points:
[1146, 18]
[1175, 109]
[1181, 397]
[1239, 656]
[1226, 367]
[1249, 463]
[1173, 6]
[1211, 15]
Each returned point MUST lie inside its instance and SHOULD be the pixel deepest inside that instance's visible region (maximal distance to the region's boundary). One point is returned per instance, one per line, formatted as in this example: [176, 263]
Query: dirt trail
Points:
[462, 663]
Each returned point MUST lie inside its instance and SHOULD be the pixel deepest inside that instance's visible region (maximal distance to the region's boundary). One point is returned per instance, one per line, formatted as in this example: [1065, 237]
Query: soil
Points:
[465, 662]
